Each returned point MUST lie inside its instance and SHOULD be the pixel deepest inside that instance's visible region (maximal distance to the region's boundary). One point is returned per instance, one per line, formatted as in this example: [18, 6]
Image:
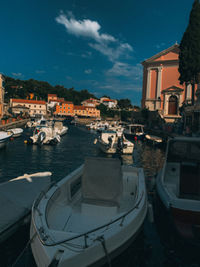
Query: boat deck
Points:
[78, 217]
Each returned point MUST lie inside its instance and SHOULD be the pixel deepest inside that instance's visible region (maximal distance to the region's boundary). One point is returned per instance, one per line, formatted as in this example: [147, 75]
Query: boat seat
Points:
[102, 182]
[189, 180]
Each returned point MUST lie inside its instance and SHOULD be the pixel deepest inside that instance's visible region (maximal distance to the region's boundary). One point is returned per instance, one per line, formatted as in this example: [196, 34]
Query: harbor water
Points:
[153, 246]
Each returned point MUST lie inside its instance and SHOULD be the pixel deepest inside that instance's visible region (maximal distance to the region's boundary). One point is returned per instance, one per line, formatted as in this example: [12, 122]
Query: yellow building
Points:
[80, 111]
[2, 92]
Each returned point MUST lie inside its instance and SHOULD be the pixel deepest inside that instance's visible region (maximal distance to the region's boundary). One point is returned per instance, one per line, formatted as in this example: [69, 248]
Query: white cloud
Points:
[106, 44]
[127, 70]
[88, 71]
[17, 74]
[86, 28]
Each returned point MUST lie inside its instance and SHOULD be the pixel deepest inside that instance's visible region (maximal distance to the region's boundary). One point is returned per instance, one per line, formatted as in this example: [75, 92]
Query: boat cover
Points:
[102, 181]
[17, 196]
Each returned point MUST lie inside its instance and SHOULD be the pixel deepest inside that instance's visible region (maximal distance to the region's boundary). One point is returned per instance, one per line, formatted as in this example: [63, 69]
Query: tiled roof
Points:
[79, 107]
[29, 101]
[52, 95]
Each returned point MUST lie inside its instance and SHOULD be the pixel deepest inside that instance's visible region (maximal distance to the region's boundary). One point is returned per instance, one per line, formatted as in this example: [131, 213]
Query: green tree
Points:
[124, 103]
[189, 56]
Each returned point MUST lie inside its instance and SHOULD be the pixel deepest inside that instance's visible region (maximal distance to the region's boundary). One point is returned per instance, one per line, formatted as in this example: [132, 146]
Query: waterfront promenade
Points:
[15, 124]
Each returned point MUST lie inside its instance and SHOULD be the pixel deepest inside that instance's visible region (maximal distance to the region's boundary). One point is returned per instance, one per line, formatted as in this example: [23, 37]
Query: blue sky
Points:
[88, 44]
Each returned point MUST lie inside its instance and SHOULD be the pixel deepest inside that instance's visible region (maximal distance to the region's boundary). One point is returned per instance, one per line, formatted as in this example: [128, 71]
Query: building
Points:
[64, 108]
[92, 112]
[2, 92]
[80, 111]
[52, 97]
[36, 107]
[92, 102]
[110, 103]
[20, 109]
[162, 90]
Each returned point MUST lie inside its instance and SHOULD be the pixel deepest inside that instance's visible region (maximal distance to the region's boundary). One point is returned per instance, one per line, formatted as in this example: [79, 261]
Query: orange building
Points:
[65, 108]
[162, 90]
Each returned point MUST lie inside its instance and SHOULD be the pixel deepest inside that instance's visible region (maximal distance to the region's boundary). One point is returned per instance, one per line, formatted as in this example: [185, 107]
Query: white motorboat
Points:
[112, 142]
[16, 199]
[92, 214]
[59, 128]
[178, 186]
[4, 138]
[154, 140]
[16, 132]
[134, 131]
[45, 135]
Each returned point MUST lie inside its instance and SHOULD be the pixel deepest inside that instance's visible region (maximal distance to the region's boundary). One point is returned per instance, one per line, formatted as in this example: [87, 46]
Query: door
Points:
[173, 105]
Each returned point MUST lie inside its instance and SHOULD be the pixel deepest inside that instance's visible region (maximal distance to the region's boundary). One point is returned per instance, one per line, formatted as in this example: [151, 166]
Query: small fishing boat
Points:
[178, 186]
[16, 200]
[134, 132]
[112, 142]
[16, 132]
[4, 138]
[90, 216]
[45, 135]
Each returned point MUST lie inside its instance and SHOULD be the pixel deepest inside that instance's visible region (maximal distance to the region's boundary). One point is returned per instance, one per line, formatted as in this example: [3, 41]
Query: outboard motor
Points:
[120, 144]
[110, 141]
[41, 137]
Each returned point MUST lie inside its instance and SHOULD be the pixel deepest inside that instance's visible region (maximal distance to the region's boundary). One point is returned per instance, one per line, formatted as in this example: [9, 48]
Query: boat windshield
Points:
[136, 129]
[179, 151]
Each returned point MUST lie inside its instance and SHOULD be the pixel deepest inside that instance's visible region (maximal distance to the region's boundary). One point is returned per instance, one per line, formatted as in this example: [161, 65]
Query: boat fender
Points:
[95, 141]
[56, 259]
[150, 214]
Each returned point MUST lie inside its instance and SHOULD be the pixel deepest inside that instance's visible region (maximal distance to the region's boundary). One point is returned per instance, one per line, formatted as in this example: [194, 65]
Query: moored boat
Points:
[45, 135]
[154, 140]
[59, 128]
[16, 132]
[112, 142]
[134, 132]
[178, 187]
[4, 138]
[16, 199]
[90, 215]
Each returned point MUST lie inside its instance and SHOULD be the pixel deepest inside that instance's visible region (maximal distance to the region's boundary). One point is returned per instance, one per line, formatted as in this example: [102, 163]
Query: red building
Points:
[162, 90]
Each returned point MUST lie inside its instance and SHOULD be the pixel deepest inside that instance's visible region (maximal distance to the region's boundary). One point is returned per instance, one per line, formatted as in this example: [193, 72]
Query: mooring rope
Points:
[21, 254]
[103, 243]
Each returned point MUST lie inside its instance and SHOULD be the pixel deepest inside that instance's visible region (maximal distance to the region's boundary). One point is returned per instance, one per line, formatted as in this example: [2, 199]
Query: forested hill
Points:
[16, 88]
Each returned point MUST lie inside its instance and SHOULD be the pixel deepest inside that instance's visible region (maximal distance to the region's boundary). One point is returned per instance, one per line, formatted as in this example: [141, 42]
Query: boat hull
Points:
[133, 137]
[185, 223]
[93, 256]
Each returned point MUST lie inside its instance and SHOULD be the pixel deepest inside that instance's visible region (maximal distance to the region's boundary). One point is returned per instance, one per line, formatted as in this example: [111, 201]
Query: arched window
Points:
[173, 105]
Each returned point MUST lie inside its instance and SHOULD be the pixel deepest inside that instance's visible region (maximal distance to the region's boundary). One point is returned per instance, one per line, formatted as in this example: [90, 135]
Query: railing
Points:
[85, 235]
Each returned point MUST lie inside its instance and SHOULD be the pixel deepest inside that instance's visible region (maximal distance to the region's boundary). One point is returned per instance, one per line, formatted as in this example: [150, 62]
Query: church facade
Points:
[162, 90]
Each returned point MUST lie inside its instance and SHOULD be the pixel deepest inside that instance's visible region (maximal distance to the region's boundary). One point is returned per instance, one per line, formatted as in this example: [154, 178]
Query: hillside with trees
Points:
[16, 88]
